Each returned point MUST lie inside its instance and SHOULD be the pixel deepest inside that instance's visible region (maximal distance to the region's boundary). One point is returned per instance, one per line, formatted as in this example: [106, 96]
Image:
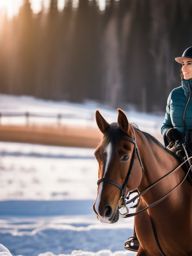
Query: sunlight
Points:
[102, 5]
[10, 8]
[61, 5]
[75, 3]
[36, 6]
[46, 5]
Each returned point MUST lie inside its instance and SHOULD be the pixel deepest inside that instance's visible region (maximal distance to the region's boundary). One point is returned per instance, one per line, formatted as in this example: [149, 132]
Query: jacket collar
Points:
[187, 86]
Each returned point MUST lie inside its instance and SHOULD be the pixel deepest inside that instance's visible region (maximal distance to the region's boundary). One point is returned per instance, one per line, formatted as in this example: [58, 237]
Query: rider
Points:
[177, 125]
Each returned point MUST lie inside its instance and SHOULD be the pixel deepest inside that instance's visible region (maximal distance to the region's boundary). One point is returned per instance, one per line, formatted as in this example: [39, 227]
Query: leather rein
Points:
[124, 200]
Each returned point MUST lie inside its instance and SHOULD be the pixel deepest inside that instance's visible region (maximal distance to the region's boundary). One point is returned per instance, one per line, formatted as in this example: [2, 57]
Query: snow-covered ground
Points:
[46, 193]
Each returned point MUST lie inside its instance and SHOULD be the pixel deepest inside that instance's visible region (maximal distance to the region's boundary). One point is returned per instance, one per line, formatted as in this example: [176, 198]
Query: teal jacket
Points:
[179, 108]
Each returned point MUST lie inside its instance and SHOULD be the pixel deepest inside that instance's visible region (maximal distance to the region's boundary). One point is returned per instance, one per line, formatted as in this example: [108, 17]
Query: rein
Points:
[122, 187]
[153, 185]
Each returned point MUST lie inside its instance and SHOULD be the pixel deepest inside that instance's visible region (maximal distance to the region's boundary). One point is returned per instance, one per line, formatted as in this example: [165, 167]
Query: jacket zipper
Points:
[185, 110]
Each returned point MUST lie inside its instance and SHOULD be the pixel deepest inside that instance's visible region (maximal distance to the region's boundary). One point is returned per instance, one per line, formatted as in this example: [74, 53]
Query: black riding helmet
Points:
[187, 54]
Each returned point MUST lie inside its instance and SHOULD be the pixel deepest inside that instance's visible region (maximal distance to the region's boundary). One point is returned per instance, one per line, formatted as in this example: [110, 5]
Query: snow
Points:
[46, 174]
[47, 193]
[4, 251]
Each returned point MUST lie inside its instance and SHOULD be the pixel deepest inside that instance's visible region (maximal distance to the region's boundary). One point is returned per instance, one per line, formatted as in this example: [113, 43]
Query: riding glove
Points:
[171, 136]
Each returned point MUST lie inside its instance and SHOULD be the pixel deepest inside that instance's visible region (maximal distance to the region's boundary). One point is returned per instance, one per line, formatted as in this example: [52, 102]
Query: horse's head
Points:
[119, 168]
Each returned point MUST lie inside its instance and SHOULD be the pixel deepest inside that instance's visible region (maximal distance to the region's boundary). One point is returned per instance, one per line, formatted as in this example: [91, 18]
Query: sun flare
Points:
[61, 5]
[10, 8]
[43, 5]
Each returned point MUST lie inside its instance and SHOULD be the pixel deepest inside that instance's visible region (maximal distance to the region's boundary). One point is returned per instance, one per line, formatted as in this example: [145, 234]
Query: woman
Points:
[177, 124]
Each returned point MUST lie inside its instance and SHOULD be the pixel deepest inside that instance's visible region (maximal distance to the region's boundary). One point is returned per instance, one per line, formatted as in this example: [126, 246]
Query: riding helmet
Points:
[187, 54]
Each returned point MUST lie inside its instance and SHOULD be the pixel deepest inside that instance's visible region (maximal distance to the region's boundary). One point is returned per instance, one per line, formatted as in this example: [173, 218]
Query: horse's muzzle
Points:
[106, 214]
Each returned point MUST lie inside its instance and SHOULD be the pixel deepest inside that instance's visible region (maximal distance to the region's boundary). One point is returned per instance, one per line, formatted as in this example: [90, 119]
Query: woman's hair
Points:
[181, 75]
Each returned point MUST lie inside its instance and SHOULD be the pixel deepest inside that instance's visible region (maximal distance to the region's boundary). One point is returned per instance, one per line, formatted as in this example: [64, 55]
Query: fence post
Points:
[27, 118]
[59, 117]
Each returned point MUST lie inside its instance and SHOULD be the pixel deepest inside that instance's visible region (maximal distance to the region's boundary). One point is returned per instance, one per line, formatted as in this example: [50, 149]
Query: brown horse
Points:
[130, 159]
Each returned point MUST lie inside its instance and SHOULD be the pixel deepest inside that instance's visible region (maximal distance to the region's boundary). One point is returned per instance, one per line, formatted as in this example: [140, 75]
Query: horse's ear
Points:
[101, 122]
[122, 120]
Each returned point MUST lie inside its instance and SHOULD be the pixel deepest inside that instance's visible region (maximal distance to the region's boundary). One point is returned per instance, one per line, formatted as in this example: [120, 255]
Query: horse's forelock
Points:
[114, 133]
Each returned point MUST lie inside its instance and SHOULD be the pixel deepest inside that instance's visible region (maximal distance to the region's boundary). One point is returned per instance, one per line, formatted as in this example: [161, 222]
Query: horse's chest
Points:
[167, 236]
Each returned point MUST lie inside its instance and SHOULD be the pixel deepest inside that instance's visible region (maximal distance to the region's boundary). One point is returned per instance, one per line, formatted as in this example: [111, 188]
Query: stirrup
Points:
[132, 244]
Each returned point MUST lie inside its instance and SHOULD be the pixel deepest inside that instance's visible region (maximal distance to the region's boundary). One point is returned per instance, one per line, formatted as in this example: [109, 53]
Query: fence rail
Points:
[61, 134]
[29, 115]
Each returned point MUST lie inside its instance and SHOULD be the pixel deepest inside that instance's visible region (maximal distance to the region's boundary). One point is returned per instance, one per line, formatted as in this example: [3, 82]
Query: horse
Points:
[130, 159]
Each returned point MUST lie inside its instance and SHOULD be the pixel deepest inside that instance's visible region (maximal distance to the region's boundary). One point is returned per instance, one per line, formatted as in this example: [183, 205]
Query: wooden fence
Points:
[58, 133]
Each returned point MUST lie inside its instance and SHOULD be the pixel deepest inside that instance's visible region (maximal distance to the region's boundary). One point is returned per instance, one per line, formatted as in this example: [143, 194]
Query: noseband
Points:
[122, 187]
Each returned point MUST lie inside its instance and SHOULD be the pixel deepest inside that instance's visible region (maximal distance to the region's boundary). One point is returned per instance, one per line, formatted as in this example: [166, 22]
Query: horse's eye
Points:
[124, 158]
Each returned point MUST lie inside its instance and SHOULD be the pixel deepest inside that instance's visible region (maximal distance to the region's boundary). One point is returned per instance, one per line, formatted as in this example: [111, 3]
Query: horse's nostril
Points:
[94, 208]
[108, 211]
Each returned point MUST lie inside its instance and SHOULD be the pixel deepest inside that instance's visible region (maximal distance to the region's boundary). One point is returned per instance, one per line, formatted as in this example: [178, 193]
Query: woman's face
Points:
[187, 69]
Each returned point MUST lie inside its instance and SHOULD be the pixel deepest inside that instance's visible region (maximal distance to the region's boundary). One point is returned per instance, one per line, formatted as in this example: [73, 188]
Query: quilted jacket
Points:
[179, 108]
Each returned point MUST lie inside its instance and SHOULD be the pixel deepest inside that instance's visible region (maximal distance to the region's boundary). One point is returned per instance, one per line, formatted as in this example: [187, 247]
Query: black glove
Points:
[173, 141]
[172, 135]
[177, 148]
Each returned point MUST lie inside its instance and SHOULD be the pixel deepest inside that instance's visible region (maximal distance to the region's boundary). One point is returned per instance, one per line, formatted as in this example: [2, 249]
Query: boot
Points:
[132, 244]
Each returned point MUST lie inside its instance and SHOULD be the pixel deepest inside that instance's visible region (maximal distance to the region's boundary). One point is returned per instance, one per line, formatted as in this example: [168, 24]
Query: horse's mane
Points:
[149, 136]
[157, 142]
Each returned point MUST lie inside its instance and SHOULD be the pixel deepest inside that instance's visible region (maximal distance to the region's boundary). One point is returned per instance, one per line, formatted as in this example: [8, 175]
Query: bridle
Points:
[122, 187]
[124, 200]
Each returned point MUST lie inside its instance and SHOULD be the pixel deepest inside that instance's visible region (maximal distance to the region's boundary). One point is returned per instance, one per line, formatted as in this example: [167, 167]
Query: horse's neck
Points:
[178, 204]
[157, 162]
